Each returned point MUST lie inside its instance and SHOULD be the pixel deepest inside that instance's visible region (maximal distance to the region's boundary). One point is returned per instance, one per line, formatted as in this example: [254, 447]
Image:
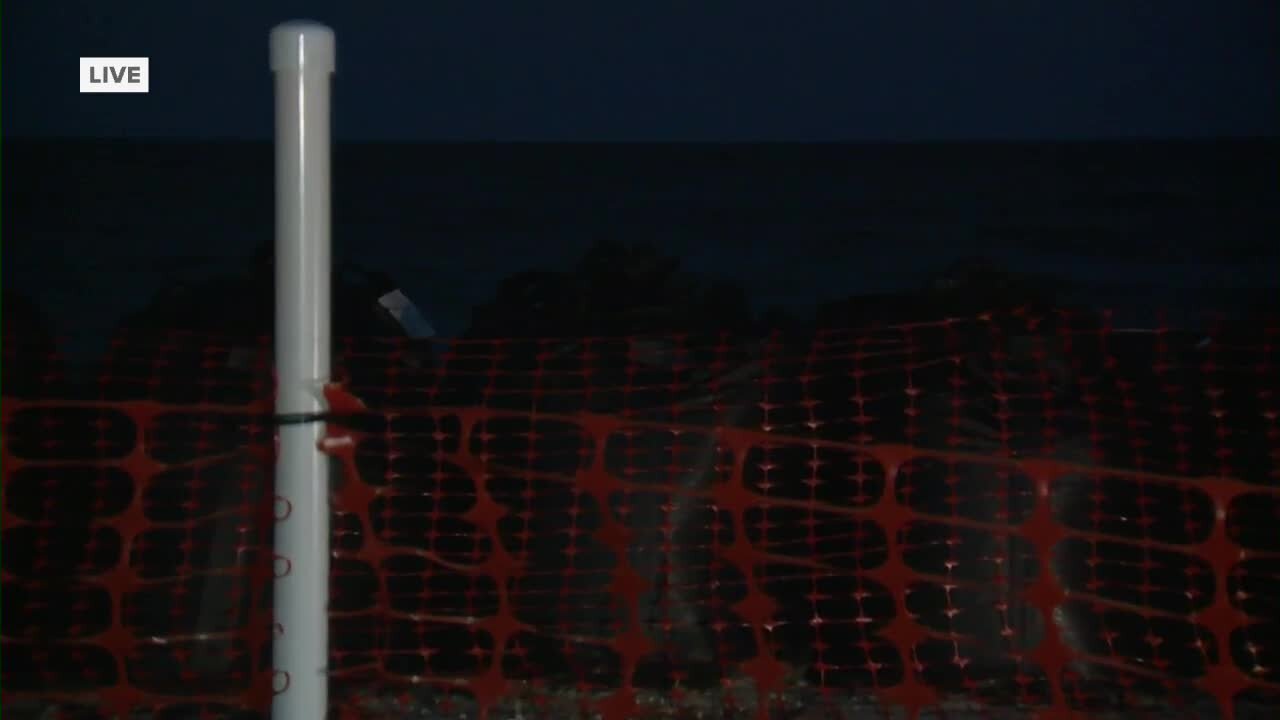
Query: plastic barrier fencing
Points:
[1012, 516]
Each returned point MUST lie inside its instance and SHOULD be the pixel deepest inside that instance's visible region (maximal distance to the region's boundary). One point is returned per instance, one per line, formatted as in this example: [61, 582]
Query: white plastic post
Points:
[302, 60]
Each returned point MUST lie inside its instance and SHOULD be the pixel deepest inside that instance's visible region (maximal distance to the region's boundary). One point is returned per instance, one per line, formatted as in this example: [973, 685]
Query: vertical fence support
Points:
[302, 61]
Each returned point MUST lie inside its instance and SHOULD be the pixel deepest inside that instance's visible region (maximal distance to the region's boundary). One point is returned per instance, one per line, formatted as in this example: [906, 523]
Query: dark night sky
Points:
[662, 70]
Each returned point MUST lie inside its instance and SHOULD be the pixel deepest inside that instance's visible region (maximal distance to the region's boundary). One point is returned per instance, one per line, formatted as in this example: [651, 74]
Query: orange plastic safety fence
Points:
[1013, 516]
[136, 535]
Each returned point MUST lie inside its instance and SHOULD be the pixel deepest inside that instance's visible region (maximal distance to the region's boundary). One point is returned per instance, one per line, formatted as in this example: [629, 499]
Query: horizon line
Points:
[167, 139]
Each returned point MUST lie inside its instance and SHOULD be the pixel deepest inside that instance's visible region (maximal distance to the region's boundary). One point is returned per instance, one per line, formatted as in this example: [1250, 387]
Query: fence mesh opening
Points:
[1001, 516]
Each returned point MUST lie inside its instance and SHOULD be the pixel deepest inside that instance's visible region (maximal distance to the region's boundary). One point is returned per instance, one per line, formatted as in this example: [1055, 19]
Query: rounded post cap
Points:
[302, 45]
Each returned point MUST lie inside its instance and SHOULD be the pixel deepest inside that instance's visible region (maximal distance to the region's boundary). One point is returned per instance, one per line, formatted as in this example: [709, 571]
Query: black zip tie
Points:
[302, 418]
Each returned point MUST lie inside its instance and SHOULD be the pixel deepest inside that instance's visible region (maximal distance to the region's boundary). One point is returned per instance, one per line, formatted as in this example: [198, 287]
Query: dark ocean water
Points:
[92, 229]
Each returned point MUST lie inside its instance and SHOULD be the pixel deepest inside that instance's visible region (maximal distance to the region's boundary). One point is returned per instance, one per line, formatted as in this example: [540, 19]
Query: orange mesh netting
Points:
[1012, 516]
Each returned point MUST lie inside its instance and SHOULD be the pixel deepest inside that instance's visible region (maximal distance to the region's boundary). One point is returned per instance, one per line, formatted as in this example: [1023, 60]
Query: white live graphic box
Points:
[115, 75]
